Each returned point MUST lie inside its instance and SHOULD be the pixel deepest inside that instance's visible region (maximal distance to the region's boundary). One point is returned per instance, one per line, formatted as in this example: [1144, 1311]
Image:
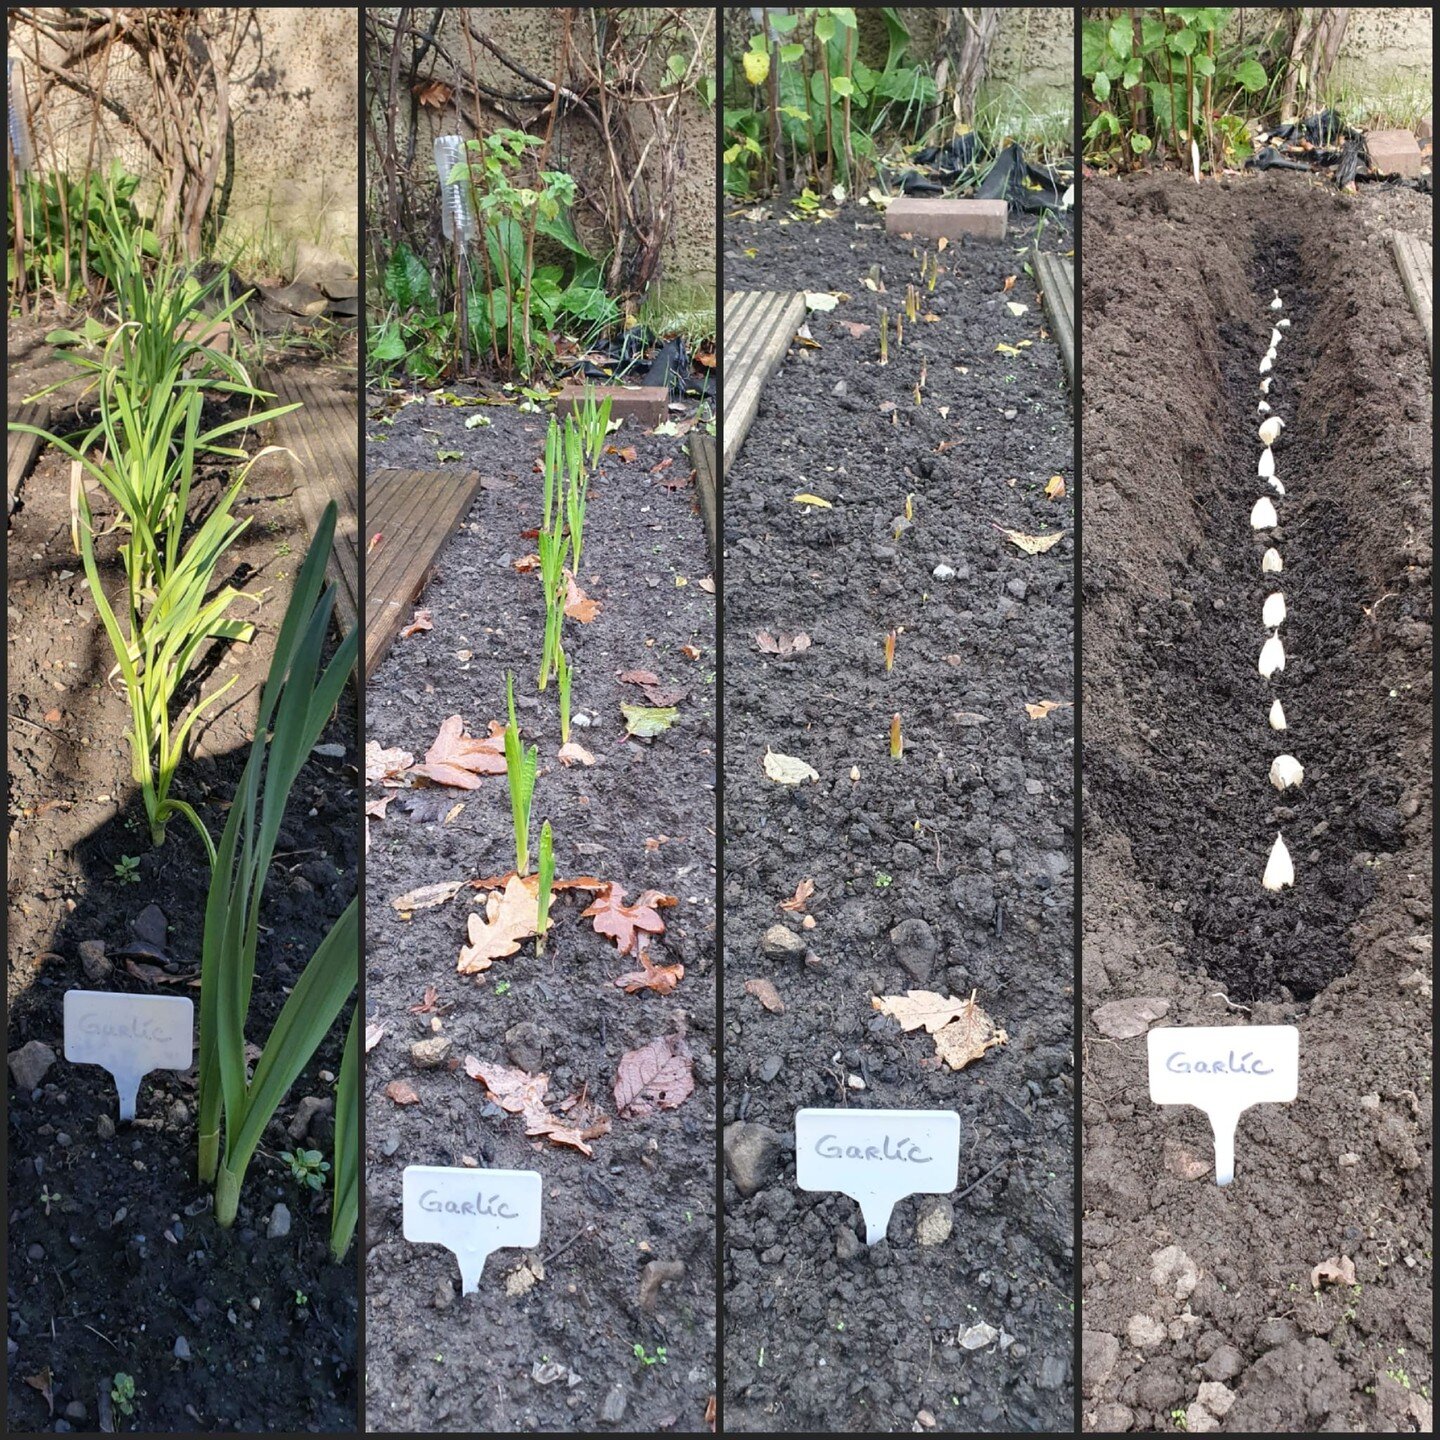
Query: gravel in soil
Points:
[114, 1264]
[1199, 1301]
[949, 870]
[549, 1341]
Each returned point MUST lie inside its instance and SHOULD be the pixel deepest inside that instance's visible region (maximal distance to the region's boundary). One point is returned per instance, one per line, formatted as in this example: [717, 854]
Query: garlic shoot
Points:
[1272, 657]
[1279, 872]
[1270, 430]
[1271, 563]
[1277, 715]
[1263, 516]
[1273, 615]
[1286, 771]
[1267, 463]
[1265, 364]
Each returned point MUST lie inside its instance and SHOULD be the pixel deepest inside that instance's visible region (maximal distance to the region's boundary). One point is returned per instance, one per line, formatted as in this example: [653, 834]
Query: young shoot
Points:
[899, 332]
[520, 768]
[897, 741]
[562, 678]
[884, 336]
[546, 877]
[889, 652]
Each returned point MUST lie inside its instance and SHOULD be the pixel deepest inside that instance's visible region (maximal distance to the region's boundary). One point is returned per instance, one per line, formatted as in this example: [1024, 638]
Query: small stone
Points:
[1215, 1397]
[150, 925]
[279, 1226]
[93, 962]
[612, 1412]
[30, 1063]
[943, 572]
[1349, 1160]
[770, 1067]
[847, 1244]
[752, 1155]
[182, 1348]
[430, 1053]
[1144, 1332]
[1226, 1363]
[1124, 1019]
[35, 1253]
[309, 1107]
[76, 1410]
[978, 1336]
[444, 1296]
[782, 943]
[935, 1221]
[62, 1140]
[105, 1128]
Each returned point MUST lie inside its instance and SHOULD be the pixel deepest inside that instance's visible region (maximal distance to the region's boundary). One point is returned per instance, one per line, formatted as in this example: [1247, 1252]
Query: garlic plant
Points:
[1266, 468]
[1279, 872]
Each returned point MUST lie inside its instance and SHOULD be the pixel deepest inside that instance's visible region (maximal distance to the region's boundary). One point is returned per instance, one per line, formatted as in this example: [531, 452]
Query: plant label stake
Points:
[471, 1213]
[130, 1035]
[1224, 1070]
[877, 1157]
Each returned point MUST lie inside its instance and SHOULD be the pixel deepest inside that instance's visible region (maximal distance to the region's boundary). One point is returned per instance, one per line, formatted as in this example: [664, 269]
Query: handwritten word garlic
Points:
[1279, 872]
[1277, 716]
[1271, 563]
[1274, 612]
[1263, 516]
[1272, 657]
[1267, 463]
[1285, 771]
[1270, 430]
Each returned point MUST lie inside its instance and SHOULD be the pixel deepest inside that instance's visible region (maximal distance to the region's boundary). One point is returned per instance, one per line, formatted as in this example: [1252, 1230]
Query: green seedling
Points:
[127, 869]
[546, 876]
[301, 1299]
[345, 1207]
[295, 705]
[647, 1359]
[563, 676]
[521, 766]
[308, 1167]
[122, 1393]
[883, 880]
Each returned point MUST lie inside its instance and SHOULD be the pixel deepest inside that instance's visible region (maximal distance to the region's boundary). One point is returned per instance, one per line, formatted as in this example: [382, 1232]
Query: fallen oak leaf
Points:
[573, 753]
[659, 1075]
[1055, 487]
[402, 1092]
[422, 621]
[578, 605]
[660, 978]
[629, 926]
[787, 770]
[664, 696]
[1337, 1270]
[386, 766]
[646, 721]
[457, 759]
[766, 993]
[512, 1089]
[968, 1037]
[803, 891]
[509, 918]
[526, 563]
[374, 1030]
[434, 93]
[544, 1125]
[639, 677]
[44, 1383]
[1042, 708]
[1032, 544]
[916, 1008]
[378, 806]
[423, 897]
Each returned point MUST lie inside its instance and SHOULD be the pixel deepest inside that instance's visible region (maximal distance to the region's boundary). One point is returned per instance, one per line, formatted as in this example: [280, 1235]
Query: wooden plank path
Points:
[1416, 261]
[702, 456]
[21, 449]
[1055, 276]
[414, 512]
[325, 460]
[759, 326]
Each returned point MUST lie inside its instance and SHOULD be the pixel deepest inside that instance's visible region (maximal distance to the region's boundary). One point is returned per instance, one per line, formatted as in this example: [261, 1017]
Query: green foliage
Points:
[345, 1208]
[122, 1393]
[1168, 76]
[309, 1167]
[521, 766]
[546, 878]
[127, 869]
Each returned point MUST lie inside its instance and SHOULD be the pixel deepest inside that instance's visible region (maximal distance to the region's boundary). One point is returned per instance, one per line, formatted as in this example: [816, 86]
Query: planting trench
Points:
[123, 1261]
[555, 1353]
[1180, 816]
[962, 848]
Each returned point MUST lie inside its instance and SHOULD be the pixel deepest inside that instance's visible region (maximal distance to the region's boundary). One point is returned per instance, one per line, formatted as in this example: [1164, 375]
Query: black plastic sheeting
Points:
[963, 165]
[1323, 142]
[637, 356]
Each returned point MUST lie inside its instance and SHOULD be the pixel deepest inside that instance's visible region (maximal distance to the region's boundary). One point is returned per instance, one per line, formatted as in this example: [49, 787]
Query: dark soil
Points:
[970, 834]
[124, 1259]
[644, 816]
[1180, 816]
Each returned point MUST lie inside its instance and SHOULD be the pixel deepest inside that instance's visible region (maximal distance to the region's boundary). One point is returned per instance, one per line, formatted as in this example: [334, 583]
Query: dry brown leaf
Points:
[154, 975]
[509, 918]
[1032, 544]
[526, 563]
[573, 753]
[578, 605]
[656, 1076]
[623, 452]
[629, 926]
[639, 677]
[458, 759]
[968, 1037]
[919, 1007]
[422, 621]
[710, 1413]
[803, 891]
[766, 993]
[425, 896]
[512, 1089]
[434, 93]
[1009, 283]
[664, 695]
[1055, 487]
[557, 1132]
[374, 1029]
[855, 328]
[662, 979]
[690, 652]
[44, 1383]
[707, 584]
[378, 806]
[1042, 708]
[386, 766]
[402, 1092]
[783, 644]
[430, 1005]
[1337, 1270]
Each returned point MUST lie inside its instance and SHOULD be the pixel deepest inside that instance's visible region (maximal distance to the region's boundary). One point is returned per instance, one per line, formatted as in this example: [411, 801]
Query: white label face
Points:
[130, 1035]
[1223, 1070]
[877, 1157]
[472, 1212]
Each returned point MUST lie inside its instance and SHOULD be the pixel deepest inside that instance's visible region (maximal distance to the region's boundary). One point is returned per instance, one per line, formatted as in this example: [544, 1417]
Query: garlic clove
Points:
[1264, 386]
[1267, 463]
[1265, 364]
[1275, 338]
[1271, 563]
[1272, 657]
[1263, 516]
[1272, 354]
[1285, 771]
[1283, 324]
[1273, 615]
[1277, 303]
[1270, 430]
[1277, 716]
[1279, 872]
[1262, 408]
[1275, 485]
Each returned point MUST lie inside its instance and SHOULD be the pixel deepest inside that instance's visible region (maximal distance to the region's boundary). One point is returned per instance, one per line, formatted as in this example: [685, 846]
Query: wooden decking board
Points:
[1055, 275]
[1416, 261]
[322, 439]
[416, 512]
[759, 326]
[21, 449]
[702, 456]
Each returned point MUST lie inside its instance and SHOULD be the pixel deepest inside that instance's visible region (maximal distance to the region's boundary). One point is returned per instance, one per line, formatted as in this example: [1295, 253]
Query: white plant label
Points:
[877, 1157]
[1224, 1070]
[471, 1213]
[130, 1035]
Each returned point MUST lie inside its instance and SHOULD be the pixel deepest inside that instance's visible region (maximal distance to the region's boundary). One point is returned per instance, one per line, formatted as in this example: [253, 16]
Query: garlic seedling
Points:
[1285, 771]
[1271, 563]
[1272, 657]
[1277, 303]
[1266, 363]
[1270, 430]
[1263, 516]
[1279, 872]
[1277, 715]
[1267, 463]
[1273, 615]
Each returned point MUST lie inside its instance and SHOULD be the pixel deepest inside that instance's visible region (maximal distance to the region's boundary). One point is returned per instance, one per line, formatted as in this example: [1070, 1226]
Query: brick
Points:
[1394, 152]
[950, 219]
[1425, 128]
[649, 404]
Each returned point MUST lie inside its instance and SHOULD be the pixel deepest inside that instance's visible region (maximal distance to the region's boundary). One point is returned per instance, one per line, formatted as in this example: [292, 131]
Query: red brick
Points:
[1394, 152]
[984, 219]
[649, 404]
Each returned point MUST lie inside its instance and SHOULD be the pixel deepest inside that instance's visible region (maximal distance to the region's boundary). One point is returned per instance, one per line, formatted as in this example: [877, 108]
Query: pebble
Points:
[431, 1053]
[30, 1063]
[780, 942]
[93, 961]
[105, 1128]
[62, 1140]
[76, 1410]
[182, 1348]
[943, 572]
[35, 1253]
[752, 1155]
[847, 1244]
[612, 1412]
[935, 1221]
[279, 1226]
[770, 1067]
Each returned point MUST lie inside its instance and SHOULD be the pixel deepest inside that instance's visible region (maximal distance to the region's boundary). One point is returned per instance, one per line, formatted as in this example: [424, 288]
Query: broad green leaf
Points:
[647, 721]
